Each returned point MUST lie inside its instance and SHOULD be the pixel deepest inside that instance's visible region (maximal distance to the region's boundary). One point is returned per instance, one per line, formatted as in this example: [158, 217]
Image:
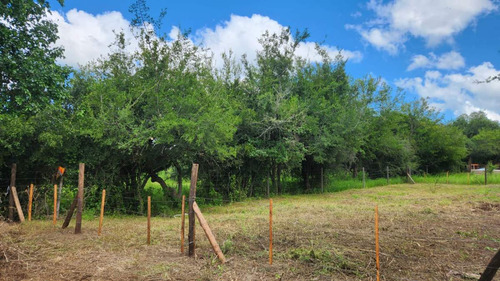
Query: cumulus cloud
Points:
[459, 92]
[86, 37]
[434, 21]
[241, 35]
[447, 61]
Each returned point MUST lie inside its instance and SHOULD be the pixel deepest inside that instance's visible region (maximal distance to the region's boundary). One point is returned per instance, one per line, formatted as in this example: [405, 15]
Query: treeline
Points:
[249, 124]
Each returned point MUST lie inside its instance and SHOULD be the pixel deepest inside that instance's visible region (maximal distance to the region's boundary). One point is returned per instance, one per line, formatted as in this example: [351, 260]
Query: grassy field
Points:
[427, 232]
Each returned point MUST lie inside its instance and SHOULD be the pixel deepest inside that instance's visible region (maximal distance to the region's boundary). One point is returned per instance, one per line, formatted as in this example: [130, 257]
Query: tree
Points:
[31, 83]
[29, 76]
[157, 108]
[485, 146]
[473, 123]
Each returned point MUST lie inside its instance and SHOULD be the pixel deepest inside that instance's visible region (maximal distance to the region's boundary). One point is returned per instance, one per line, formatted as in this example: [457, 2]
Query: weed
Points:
[325, 261]
[227, 246]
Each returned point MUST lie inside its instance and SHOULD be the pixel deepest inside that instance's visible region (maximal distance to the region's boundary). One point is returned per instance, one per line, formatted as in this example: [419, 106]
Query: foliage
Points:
[273, 125]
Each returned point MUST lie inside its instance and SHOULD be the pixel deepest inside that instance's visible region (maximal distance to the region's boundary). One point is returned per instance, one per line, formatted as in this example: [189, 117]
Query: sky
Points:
[435, 49]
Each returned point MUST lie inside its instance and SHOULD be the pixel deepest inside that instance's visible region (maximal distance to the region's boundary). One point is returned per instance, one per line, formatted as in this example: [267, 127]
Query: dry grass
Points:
[426, 232]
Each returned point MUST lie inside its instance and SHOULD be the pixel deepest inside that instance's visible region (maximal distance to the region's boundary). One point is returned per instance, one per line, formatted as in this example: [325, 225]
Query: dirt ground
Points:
[427, 232]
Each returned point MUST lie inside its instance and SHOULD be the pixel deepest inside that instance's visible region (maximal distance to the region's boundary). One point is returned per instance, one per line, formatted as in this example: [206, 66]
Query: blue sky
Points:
[430, 48]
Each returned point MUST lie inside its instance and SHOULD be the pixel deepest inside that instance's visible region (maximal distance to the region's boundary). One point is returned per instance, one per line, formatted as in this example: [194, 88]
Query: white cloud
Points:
[449, 61]
[388, 40]
[86, 37]
[241, 34]
[433, 20]
[459, 92]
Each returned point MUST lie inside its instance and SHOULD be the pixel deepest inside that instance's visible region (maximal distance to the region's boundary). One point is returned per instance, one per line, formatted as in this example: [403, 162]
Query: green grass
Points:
[340, 184]
[336, 185]
[458, 178]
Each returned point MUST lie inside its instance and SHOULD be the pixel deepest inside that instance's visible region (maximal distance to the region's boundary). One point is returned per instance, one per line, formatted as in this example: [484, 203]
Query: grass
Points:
[426, 231]
[458, 178]
[338, 184]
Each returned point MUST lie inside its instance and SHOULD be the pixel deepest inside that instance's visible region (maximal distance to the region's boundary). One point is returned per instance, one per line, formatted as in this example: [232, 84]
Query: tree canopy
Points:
[131, 117]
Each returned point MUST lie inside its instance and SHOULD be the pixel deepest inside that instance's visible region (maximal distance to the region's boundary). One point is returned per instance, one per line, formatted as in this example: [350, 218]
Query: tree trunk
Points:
[166, 189]
[354, 171]
[11, 197]
[267, 183]
[273, 177]
[138, 189]
[279, 179]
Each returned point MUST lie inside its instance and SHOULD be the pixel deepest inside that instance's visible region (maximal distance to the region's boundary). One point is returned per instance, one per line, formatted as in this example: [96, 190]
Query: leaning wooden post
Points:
[30, 202]
[208, 232]
[70, 212]
[11, 198]
[102, 212]
[271, 231]
[13, 191]
[192, 198]
[81, 174]
[149, 220]
[377, 259]
[492, 268]
[183, 219]
[54, 216]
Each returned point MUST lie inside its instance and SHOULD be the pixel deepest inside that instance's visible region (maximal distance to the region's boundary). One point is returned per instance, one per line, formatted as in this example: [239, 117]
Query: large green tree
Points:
[32, 87]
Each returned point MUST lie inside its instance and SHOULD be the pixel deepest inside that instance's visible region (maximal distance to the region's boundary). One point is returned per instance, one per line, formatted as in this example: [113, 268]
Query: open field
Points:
[427, 232]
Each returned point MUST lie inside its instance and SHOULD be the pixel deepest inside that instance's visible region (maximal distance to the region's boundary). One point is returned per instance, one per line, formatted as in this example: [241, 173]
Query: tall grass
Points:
[340, 184]
[336, 184]
[460, 178]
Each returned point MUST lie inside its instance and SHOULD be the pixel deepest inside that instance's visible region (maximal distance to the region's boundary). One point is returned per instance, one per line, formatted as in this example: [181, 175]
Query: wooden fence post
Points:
[485, 175]
[271, 231]
[54, 216]
[11, 198]
[208, 232]
[149, 220]
[377, 259]
[13, 191]
[492, 268]
[79, 209]
[30, 202]
[183, 219]
[102, 212]
[192, 198]
[60, 195]
[447, 177]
